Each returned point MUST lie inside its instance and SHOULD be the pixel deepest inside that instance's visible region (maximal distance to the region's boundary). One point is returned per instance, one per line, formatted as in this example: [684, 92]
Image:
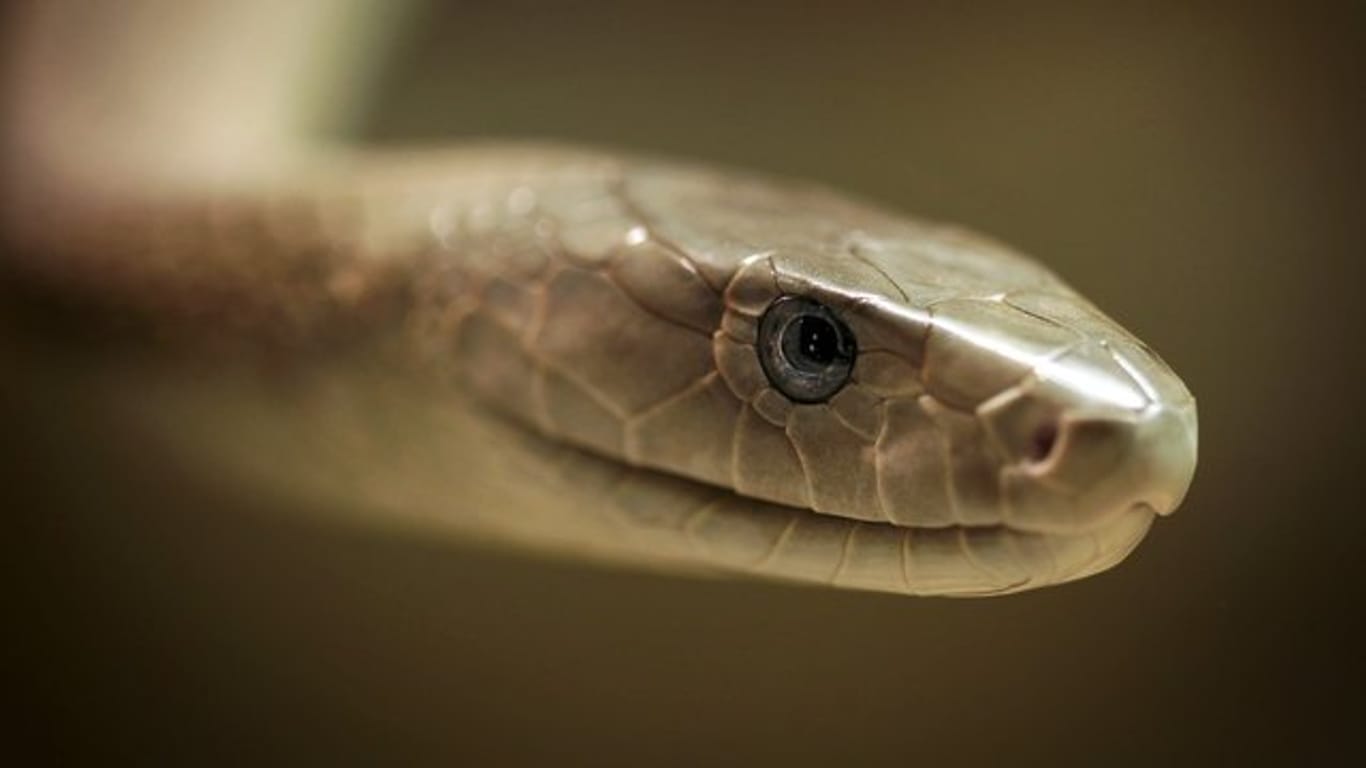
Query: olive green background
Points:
[1194, 169]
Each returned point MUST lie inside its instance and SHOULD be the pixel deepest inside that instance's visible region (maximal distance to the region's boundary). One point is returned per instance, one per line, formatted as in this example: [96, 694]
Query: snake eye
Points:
[805, 350]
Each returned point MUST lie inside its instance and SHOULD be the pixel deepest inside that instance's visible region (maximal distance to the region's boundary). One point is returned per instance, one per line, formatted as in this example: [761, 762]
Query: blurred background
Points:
[1195, 169]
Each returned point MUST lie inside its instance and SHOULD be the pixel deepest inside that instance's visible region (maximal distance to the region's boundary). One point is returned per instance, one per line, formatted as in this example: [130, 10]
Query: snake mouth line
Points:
[754, 537]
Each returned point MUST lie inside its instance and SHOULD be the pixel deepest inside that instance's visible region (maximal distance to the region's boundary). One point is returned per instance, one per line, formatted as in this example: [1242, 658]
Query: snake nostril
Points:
[1042, 442]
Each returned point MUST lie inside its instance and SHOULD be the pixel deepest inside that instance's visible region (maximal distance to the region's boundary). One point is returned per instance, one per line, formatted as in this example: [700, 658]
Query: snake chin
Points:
[756, 538]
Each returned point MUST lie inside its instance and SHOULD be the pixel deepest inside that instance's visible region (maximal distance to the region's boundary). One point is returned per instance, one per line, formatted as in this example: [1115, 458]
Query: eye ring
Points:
[806, 351]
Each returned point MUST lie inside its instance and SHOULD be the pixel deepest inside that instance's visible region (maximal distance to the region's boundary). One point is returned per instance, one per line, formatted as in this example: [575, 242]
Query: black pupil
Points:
[818, 340]
[806, 352]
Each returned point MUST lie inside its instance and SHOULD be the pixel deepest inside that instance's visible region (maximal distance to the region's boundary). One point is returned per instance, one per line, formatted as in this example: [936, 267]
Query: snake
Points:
[614, 355]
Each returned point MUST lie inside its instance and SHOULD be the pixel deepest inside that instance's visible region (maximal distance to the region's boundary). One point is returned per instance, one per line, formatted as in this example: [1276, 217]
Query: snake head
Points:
[912, 400]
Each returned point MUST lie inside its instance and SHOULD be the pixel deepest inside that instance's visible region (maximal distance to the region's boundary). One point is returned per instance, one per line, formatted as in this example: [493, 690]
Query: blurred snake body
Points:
[591, 322]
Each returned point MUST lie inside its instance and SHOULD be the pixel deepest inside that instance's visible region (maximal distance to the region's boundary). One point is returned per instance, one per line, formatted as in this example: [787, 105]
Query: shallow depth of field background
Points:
[1197, 171]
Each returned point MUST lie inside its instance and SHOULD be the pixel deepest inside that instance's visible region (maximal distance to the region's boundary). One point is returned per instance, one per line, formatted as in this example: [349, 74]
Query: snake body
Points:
[588, 323]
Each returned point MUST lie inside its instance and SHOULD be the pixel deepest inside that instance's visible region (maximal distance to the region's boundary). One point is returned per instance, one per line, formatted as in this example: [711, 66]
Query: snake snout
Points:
[1167, 449]
[1083, 469]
